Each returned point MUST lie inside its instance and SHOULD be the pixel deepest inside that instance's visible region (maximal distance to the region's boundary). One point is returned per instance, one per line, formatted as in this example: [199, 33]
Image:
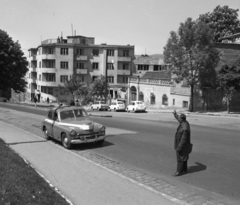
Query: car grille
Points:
[91, 137]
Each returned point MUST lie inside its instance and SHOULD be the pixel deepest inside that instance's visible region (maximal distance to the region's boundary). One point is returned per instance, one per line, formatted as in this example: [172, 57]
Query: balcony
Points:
[33, 69]
[49, 41]
[124, 58]
[32, 80]
[82, 71]
[81, 57]
[123, 72]
[33, 58]
[48, 83]
[165, 82]
[48, 56]
[47, 70]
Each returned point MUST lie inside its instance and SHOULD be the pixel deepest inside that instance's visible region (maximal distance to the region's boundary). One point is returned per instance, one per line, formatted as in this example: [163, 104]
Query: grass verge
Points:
[21, 184]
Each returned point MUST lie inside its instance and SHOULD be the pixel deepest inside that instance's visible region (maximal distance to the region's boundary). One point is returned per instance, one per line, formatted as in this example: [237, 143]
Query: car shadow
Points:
[197, 168]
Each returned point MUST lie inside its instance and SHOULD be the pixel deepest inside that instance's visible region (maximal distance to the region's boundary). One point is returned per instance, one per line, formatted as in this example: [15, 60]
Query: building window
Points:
[80, 65]
[125, 66]
[95, 52]
[64, 65]
[185, 104]
[152, 99]
[51, 77]
[164, 99]
[64, 51]
[125, 79]
[50, 91]
[80, 51]
[110, 66]
[50, 64]
[40, 64]
[50, 51]
[125, 53]
[63, 78]
[143, 67]
[173, 102]
[64, 92]
[141, 96]
[110, 79]
[81, 78]
[39, 77]
[110, 52]
[95, 66]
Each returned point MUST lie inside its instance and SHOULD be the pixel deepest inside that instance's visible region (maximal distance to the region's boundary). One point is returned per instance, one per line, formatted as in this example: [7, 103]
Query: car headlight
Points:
[73, 133]
[102, 129]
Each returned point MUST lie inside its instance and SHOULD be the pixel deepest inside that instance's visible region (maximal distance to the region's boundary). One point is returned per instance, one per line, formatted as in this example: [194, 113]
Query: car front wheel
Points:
[66, 142]
[45, 132]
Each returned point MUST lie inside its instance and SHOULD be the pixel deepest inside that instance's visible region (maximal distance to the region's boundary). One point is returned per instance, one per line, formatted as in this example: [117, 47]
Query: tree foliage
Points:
[229, 80]
[190, 53]
[75, 86]
[98, 87]
[13, 64]
[223, 20]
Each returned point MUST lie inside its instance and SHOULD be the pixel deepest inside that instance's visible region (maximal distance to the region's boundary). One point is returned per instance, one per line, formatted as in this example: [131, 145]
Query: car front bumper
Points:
[87, 139]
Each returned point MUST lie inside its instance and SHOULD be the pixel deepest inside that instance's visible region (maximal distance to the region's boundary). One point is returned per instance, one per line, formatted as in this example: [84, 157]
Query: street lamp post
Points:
[106, 81]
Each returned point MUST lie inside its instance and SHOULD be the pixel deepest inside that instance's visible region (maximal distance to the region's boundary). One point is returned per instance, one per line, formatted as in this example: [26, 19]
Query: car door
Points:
[56, 127]
[49, 122]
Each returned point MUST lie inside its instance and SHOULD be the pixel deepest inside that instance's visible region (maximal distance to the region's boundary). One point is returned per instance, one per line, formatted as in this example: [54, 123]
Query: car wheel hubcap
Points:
[65, 141]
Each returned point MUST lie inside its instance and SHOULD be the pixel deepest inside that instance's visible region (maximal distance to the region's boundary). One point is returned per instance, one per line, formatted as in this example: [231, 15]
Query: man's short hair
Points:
[183, 117]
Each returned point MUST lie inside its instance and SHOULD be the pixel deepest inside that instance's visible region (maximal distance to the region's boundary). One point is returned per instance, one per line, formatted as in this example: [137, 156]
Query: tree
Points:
[190, 52]
[74, 85]
[229, 80]
[223, 20]
[13, 64]
[98, 88]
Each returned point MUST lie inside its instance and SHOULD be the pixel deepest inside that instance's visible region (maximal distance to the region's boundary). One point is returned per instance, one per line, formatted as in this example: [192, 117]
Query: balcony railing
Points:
[123, 72]
[49, 41]
[81, 57]
[82, 71]
[124, 58]
[151, 81]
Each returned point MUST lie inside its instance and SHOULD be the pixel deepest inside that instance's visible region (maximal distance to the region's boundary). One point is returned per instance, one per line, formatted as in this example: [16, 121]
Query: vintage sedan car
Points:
[100, 105]
[135, 106]
[117, 105]
[72, 125]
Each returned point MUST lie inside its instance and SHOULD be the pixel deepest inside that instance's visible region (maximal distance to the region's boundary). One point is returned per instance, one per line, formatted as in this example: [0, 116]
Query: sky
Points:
[146, 24]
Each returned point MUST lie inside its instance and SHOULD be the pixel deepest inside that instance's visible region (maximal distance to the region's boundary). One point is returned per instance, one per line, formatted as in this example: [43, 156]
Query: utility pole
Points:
[106, 81]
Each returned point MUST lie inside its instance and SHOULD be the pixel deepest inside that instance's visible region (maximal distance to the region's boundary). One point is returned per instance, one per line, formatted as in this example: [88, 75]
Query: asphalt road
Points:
[147, 145]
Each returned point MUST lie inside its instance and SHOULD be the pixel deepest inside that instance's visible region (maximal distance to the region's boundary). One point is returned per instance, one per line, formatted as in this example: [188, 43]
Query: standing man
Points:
[182, 140]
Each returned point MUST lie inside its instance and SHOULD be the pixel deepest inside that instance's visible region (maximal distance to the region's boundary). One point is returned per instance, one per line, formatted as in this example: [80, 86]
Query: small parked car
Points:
[135, 106]
[100, 105]
[117, 105]
[72, 125]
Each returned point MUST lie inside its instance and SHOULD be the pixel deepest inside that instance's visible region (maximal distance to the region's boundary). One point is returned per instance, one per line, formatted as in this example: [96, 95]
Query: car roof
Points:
[65, 108]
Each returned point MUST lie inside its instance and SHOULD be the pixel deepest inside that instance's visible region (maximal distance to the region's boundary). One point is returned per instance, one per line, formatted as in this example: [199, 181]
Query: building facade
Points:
[56, 60]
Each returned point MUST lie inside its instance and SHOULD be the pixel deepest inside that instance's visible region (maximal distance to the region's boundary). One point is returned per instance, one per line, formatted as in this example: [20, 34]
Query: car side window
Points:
[133, 103]
[50, 116]
[55, 116]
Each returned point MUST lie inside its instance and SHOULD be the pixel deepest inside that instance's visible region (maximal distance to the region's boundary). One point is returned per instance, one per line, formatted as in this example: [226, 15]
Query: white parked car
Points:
[100, 105]
[117, 105]
[135, 106]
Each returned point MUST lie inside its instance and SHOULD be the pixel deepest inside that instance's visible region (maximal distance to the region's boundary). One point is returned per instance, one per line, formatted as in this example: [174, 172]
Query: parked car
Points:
[135, 106]
[100, 105]
[117, 105]
[72, 125]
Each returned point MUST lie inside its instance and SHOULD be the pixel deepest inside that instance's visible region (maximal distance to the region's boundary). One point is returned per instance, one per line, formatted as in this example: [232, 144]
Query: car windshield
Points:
[73, 114]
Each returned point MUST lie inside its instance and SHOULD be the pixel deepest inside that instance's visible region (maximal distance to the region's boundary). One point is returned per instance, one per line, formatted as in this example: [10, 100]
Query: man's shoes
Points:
[178, 174]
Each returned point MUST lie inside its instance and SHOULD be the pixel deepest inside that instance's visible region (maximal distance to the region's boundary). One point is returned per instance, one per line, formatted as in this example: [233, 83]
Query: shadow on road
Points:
[197, 168]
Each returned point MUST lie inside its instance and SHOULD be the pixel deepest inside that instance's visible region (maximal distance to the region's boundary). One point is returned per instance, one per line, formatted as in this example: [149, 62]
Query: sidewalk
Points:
[81, 181]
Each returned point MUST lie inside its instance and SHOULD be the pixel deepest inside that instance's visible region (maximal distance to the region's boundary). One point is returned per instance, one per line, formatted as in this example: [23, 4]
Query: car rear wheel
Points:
[128, 110]
[66, 141]
[45, 132]
[100, 142]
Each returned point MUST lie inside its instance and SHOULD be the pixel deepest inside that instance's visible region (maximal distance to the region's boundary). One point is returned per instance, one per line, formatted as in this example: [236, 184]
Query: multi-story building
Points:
[56, 60]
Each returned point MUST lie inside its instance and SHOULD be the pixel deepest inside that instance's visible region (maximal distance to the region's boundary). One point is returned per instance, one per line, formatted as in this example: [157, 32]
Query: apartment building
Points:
[56, 60]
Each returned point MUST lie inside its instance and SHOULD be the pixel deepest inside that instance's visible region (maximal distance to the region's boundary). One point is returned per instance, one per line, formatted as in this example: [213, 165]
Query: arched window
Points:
[152, 99]
[141, 96]
[164, 99]
[133, 93]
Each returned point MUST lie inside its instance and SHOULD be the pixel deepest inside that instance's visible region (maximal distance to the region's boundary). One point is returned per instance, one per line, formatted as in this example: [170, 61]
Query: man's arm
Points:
[176, 115]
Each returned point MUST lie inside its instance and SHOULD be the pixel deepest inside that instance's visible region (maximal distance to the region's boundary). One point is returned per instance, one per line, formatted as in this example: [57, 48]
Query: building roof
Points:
[160, 75]
[156, 59]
